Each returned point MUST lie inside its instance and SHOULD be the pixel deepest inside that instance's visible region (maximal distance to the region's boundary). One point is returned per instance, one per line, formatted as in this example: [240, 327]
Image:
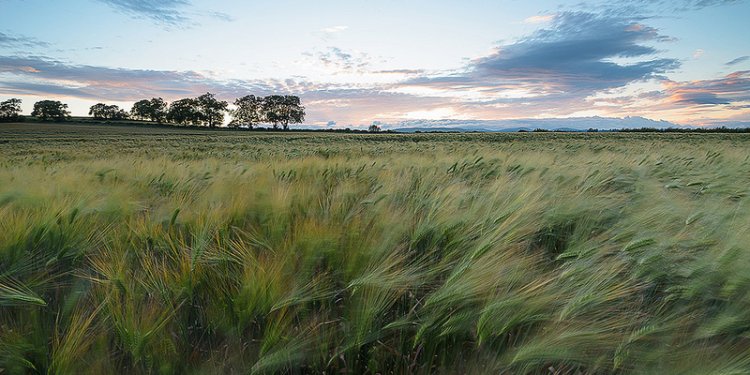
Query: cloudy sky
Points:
[354, 62]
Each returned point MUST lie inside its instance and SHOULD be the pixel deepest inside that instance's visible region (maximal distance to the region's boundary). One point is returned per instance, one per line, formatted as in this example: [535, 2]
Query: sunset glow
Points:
[356, 63]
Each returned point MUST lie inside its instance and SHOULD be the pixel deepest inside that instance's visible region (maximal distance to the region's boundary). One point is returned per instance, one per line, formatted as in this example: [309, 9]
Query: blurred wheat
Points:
[540, 253]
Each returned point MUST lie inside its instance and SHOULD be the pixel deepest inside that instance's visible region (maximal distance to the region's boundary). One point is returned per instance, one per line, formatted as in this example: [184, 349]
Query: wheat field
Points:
[146, 250]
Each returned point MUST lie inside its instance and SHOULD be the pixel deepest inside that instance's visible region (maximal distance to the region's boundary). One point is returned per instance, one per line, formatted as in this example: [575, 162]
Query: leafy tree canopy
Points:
[154, 109]
[185, 112]
[50, 110]
[103, 111]
[283, 110]
[10, 110]
[211, 110]
[249, 111]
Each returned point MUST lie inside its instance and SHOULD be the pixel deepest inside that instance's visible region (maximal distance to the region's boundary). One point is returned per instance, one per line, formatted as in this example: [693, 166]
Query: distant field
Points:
[127, 249]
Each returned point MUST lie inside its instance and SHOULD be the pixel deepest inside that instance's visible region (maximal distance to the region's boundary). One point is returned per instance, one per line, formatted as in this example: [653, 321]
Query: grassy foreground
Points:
[126, 250]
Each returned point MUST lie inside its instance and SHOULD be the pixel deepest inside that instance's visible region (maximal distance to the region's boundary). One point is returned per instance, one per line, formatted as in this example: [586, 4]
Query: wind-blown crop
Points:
[512, 253]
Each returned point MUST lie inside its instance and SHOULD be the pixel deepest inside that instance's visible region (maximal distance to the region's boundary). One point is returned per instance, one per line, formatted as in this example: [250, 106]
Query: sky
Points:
[414, 62]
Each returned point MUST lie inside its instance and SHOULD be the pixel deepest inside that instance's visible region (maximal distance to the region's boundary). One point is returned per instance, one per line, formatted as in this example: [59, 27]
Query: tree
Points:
[272, 109]
[115, 113]
[103, 111]
[249, 111]
[184, 111]
[283, 110]
[211, 110]
[98, 111]
[51, 109]
[154, 109]
[107, 112]
[10, 110]
[375, 127]
[294, 112]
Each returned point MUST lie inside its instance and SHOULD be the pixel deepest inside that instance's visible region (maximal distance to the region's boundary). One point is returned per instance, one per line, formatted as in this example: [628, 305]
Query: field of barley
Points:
[148, 250]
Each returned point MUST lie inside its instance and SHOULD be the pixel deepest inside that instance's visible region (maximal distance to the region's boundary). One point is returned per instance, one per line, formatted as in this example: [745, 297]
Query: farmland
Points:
[127, 249]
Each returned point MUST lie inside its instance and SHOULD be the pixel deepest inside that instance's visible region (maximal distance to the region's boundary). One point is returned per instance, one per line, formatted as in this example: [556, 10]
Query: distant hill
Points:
[559, 124]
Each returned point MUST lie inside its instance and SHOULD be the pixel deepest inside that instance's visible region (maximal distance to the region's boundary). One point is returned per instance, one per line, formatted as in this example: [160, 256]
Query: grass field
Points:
[149, 250]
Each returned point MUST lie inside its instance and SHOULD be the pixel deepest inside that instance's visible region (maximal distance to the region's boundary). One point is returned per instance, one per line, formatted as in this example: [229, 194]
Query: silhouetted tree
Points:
[283, 110]
[113, 112]
[249, 111]
[119, 114]
[375, 127]
[271, 109]
[98, 111]
[50, 109]
[10, 110]
[211, 109]
[154, 109]
[103, 111]
[294, 112]
[184, 111]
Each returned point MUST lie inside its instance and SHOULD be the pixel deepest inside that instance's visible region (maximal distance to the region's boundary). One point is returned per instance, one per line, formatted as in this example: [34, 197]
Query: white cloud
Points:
[334, 29]
[539, 19]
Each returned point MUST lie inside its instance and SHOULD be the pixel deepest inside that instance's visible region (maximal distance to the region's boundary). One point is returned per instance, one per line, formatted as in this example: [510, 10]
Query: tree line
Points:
[10, 110]
[204, 110]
